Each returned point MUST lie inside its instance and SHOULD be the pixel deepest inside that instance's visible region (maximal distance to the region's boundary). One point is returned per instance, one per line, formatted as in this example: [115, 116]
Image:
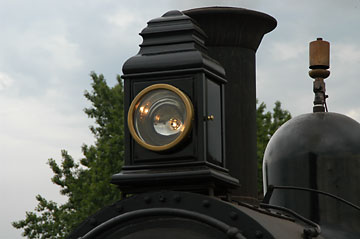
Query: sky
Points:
[48, 49]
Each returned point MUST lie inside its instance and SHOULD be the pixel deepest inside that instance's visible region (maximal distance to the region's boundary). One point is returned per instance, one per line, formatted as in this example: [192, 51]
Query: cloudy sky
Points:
[48, 48]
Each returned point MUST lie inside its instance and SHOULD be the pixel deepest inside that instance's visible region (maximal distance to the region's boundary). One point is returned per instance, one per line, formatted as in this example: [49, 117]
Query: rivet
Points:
[310, 233]
[306, 232]
[206, 203]
[231, 232]
[259, 234]
[233, 215]
[119, 207]
[177, 198]
[162, 198]
[93, 221]
[147, 199]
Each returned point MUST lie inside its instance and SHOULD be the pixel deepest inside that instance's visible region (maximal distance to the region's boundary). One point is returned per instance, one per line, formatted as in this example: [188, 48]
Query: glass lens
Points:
[159, 117]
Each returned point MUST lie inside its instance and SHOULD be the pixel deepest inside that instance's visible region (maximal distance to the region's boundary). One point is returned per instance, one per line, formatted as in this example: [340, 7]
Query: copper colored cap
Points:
[319, 54]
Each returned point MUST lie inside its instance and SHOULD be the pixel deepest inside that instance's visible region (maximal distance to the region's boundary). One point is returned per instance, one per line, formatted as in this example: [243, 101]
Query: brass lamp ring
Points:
[187, 122]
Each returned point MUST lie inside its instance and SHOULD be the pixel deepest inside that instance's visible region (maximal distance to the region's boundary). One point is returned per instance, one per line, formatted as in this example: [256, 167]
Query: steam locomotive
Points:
[190, 142]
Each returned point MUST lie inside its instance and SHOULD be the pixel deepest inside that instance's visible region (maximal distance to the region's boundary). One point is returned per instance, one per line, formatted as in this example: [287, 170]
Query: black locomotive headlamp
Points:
[160, 117]
[174, 95]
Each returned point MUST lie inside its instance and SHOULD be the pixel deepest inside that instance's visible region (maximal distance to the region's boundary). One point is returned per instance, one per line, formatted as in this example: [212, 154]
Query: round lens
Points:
[159, 117]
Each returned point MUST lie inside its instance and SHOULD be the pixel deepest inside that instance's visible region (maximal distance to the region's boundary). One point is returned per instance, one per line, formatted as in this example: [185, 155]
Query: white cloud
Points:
[283, 51]
[345, 53]
[122, 19]
[5, 81]
[39, 120]
[49, 51]
[62, 52]
[354, 113]
[33, 130]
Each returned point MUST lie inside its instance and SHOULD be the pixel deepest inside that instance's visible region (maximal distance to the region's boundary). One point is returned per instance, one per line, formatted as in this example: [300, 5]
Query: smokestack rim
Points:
[238, 22]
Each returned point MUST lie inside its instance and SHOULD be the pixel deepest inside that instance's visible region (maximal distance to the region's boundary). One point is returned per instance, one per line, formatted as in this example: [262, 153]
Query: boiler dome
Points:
[319, 151]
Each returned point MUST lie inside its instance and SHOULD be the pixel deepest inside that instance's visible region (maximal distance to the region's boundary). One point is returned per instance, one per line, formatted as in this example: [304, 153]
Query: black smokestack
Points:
[234, 35]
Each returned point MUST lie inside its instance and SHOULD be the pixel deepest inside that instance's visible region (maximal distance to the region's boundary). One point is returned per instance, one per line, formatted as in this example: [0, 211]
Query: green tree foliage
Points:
[83, 182]
[267, 123]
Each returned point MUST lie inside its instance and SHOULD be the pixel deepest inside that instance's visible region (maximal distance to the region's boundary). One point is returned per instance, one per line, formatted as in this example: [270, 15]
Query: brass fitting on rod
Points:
[319, 62]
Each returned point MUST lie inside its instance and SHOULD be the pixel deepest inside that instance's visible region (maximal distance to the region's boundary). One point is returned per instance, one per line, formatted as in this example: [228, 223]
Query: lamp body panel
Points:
[215, 122]
[206, 139]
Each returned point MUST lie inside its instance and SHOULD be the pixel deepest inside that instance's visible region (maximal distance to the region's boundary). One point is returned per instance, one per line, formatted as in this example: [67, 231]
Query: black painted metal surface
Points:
[173, 52]
[234, 35]
[319, 151]
[182, 215]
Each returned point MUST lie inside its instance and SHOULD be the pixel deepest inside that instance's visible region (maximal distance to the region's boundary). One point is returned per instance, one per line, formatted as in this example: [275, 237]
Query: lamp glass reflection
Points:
[159, 117]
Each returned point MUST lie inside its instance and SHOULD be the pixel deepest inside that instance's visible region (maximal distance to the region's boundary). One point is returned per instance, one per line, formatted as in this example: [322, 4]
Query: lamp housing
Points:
[174, 102]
